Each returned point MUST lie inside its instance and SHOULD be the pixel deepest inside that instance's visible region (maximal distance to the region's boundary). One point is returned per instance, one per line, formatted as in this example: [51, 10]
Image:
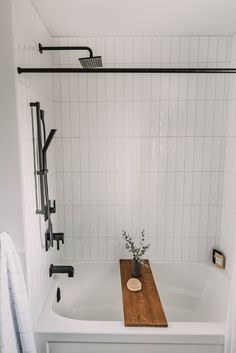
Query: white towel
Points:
[16, 334]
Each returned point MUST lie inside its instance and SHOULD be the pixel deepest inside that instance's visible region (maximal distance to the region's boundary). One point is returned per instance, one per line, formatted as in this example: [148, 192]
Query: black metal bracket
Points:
[40, 48]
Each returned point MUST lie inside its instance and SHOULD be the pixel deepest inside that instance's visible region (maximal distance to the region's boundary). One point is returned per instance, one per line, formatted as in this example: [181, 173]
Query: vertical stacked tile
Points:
[142, 150]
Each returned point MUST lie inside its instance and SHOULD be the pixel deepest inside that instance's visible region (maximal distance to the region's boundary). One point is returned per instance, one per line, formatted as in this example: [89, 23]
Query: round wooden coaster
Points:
[134, 285]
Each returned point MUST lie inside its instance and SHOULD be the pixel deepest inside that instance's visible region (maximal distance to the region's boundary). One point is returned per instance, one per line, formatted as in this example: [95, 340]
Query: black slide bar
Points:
[40, 170]
[150, 70]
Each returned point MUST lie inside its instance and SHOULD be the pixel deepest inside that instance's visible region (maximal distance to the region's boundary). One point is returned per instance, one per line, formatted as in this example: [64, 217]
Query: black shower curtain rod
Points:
[150, 70]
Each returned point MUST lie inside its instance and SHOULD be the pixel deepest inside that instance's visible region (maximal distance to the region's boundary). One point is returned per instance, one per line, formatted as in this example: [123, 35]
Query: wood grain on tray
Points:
[142, 308]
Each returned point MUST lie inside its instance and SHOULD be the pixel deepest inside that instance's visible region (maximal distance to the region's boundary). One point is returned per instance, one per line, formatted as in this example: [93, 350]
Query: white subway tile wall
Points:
[29, 31]
[227, 239]
[142, 151]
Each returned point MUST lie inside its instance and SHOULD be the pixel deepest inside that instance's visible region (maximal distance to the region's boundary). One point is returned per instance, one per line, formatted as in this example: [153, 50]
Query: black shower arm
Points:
[41, 49]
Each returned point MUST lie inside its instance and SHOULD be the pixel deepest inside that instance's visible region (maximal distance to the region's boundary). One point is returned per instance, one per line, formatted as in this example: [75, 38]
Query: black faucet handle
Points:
[52, 208]
[58, 237]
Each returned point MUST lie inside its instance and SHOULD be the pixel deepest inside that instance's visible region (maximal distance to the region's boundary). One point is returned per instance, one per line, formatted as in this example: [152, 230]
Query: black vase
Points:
[135, 269]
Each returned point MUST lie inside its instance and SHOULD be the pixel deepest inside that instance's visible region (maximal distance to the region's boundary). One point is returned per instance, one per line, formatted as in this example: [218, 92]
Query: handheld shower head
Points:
[91, 62]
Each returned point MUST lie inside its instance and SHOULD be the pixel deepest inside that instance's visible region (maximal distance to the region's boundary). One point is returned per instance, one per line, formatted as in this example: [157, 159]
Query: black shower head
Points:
[87, 63]
[91, 62]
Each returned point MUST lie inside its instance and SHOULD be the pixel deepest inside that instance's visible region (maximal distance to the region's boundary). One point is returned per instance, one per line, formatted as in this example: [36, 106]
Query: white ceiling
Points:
[137, 17]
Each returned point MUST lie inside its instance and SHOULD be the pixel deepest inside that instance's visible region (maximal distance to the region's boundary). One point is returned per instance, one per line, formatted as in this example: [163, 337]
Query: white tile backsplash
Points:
[142, 151]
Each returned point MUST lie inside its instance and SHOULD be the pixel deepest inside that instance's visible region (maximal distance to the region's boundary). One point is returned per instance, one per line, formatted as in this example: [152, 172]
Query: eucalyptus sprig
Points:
[137, 251]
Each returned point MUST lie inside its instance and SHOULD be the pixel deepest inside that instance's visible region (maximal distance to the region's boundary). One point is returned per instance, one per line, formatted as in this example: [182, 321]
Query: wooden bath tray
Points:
[142, 308]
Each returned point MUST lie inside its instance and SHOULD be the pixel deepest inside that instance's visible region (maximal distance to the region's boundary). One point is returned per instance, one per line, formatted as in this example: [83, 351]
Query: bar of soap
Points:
[134, 285]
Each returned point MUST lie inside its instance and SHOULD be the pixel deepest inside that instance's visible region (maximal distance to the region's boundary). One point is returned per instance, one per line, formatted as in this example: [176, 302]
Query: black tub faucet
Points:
[61, 269]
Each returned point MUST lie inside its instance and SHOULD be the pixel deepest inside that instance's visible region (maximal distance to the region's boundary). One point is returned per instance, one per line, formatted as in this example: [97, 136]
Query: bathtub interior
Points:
[93, 294]
[192, 292]
[189, 292]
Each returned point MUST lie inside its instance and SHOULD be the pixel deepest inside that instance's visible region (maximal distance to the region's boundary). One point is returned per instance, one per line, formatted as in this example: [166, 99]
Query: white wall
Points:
[142, 151]
[29, 31]
[227, 240]
[11, 216]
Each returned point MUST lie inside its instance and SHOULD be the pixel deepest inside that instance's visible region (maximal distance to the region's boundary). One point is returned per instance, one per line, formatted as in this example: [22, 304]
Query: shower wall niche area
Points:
[141, 151]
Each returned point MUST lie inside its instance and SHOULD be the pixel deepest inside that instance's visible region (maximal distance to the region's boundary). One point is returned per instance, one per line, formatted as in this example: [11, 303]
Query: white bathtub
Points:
[89, 316]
